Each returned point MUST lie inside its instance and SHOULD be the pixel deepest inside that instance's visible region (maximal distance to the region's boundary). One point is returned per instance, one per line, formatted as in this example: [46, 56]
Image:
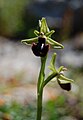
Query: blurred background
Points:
[19, 68]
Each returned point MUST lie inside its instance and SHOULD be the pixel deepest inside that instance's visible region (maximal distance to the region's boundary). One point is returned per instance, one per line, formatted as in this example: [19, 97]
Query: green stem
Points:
[49, 78]
[40, 88]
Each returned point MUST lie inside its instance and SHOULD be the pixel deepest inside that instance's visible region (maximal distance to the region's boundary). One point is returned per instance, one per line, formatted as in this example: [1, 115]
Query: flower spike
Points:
[40, 46]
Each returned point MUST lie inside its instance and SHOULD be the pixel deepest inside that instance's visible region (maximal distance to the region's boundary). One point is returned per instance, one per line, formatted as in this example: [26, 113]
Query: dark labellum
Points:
[65, 86]
[40, 48]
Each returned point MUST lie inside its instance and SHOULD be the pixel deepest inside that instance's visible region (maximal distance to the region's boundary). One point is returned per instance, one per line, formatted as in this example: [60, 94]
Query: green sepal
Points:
[43, 26]
[52, 63]
[29, 41]
[54, 44]
[52, 69]
[62, 77]
[64, 81]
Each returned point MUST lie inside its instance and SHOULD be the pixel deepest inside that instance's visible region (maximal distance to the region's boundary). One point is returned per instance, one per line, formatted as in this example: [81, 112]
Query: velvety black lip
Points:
[40, 48]
[65, 86]
[42, 40]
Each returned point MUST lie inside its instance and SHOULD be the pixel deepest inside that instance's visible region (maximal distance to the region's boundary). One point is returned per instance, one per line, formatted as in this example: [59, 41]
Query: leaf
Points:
[29, 41]
[54, 44]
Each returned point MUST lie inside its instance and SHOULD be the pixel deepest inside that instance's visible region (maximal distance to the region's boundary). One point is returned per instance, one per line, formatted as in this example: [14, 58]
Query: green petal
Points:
[49, 33]
[43, 26]
[54, 44]
[29, 41]
[60, 69]
[36, 32]
[62, 77]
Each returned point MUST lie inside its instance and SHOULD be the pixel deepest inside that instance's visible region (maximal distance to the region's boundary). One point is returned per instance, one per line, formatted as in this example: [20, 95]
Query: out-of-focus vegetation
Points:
[16, 111]
[11, 12]
[63, 108]
[18, 66]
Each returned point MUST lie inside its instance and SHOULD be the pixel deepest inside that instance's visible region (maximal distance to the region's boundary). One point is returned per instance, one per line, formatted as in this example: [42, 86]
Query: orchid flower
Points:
[64, 82]
[43, 41]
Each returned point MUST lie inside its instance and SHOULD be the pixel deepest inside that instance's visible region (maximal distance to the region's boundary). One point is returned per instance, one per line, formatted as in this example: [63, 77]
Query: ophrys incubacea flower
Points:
[43, 41]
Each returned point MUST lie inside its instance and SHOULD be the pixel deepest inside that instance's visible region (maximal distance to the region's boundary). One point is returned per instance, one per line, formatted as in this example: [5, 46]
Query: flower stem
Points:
[49, 78]
[40, 88]
[39, 105]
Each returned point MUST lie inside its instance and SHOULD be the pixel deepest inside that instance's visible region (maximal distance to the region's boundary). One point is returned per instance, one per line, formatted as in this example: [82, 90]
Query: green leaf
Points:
[29, 41]
[54, 44]
[43, 26]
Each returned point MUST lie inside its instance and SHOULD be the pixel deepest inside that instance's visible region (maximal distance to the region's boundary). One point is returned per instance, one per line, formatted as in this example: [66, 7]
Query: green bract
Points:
[46, 33]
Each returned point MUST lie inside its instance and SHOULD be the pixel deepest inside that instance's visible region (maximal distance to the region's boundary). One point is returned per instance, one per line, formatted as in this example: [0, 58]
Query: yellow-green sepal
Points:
[52, 63]
[63, 78]
[54, 44]
[29, 41]
[43, 26]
